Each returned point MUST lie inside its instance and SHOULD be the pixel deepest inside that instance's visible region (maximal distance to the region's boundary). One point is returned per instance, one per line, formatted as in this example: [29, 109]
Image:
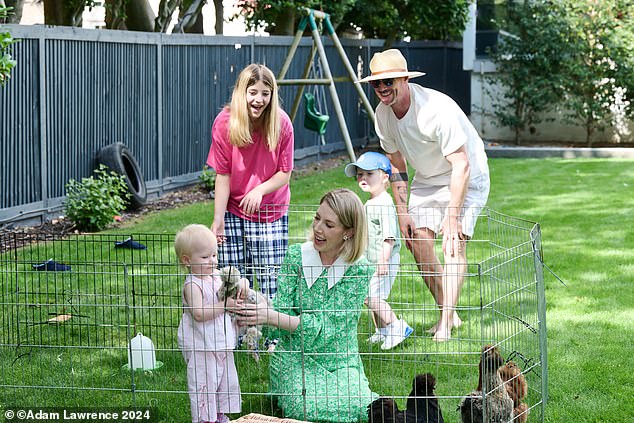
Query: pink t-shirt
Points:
[252, 165]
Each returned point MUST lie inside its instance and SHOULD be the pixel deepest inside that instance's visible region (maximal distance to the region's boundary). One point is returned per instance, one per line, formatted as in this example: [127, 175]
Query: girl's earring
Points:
[345, 237]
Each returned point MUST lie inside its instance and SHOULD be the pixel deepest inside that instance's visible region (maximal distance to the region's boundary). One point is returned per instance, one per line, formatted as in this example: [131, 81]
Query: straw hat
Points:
[389, 64]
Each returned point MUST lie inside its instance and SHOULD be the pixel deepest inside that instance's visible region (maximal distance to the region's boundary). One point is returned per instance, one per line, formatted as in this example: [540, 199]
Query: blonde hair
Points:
[240, 126]
[351, 214]
[187, 238]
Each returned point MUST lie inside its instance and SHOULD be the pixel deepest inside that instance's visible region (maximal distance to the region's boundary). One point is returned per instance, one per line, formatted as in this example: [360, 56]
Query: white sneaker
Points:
[396, 333]
[377, 337]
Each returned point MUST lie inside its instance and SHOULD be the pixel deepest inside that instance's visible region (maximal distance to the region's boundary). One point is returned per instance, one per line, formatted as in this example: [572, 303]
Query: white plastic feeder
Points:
[141, 353]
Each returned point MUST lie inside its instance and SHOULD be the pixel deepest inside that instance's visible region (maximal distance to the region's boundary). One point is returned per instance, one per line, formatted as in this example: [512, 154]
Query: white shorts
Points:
[380, 286]
[428, 204]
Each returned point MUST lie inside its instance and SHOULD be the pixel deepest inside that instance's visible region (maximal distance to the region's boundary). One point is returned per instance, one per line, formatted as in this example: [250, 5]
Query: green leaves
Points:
[420, 20]
[389, 19]
[574, 56]
[208, 178]
[6, 61]
[93, 202]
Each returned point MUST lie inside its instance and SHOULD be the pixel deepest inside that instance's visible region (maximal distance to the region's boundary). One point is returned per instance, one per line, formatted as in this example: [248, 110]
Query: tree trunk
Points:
[389, 40]
[197, 27]
[63, 13]
[115, 14]
[16, 14]
[220, 16]
[589, 131]
[140, 16]
[191, 18]
[164, 15]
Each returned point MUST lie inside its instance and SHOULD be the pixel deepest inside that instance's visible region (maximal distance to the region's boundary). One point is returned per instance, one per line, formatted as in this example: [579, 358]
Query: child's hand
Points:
[251, 202]
[243, 288]
[233, 304]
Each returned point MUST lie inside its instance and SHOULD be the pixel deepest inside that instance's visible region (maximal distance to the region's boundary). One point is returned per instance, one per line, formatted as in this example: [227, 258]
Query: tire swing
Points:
[119, 159]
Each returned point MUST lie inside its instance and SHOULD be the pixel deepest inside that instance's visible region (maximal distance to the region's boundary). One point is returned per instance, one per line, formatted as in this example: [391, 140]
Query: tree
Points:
[220, 16]
[576, 55]
[389, 19]
[133, 15]
[599, 64]
[65, 13]
[279, 17]
[528, 65]
[16, 7]
[190, 18]
[393, 20]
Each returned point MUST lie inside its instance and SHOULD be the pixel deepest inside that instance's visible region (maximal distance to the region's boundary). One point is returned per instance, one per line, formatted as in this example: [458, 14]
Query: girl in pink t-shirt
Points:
[252, 153]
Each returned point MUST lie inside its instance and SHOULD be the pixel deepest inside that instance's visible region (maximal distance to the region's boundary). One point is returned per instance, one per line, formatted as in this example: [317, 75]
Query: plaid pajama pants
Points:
[256, 248]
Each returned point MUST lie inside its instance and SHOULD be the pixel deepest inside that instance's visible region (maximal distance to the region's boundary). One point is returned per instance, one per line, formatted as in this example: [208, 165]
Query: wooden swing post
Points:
[309, 18]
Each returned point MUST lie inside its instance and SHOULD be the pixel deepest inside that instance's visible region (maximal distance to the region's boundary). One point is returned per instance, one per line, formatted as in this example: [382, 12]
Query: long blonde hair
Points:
[240, 127]
[351, 213]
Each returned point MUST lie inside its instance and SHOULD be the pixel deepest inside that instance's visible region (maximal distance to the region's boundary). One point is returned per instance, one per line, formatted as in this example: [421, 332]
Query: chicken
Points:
[516, 386]
[230, 285]
[422, 405]
[498, 405]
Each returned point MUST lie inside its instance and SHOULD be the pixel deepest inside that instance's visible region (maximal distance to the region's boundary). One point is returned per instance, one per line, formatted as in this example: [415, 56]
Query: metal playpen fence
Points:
[71, 305]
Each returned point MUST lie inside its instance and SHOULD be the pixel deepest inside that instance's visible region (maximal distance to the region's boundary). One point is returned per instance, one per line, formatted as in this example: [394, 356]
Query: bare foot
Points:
[442, 335]
[457, 322]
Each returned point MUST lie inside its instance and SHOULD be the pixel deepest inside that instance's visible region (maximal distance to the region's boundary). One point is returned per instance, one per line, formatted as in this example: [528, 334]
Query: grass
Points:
[584, 207]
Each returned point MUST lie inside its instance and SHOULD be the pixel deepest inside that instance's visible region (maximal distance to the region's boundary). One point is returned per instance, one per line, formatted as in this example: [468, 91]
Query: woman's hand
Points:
[254, 314]
[251, 202]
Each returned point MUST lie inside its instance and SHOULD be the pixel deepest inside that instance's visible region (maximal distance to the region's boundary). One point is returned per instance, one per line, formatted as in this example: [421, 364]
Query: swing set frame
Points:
[309, 18]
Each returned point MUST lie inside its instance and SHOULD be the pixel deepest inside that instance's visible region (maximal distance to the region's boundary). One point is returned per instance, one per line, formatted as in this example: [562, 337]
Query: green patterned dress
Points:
[316, 372]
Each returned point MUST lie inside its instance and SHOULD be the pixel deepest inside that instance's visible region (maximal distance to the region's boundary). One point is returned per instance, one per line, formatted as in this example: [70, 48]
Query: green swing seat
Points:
[314, 120]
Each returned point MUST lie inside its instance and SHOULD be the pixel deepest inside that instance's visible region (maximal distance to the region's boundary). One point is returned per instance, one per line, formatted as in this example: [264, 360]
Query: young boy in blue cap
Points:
[372, 171]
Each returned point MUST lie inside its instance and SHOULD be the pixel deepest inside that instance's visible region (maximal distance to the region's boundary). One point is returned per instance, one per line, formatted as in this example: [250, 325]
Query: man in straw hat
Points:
[428, 130]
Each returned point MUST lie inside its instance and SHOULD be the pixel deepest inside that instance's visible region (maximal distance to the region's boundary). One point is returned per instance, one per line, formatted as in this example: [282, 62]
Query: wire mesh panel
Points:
[71, 306]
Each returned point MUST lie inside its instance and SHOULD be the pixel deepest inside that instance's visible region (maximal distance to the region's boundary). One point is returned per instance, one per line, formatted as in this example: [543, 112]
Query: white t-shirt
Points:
[382, 225]
[433, 127]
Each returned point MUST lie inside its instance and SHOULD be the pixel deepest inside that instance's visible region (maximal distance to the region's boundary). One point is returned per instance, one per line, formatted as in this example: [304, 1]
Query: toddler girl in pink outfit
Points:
[206, 334]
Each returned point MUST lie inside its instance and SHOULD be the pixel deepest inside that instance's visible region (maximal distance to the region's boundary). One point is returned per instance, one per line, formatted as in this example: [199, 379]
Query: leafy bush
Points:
[6, 62]
[94, 202]
[208, 178]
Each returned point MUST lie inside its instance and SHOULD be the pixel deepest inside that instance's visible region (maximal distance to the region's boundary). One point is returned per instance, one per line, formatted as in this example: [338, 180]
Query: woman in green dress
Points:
[316, 371]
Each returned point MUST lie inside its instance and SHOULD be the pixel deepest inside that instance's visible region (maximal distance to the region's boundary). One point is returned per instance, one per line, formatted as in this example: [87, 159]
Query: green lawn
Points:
[584, 207]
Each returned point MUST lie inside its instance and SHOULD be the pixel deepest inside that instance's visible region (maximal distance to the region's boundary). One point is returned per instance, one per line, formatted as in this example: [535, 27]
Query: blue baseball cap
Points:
[369, 161]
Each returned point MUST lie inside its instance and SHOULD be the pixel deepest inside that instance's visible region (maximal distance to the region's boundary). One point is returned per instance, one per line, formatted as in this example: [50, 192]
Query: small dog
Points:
[422, 405]
[231, 278]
